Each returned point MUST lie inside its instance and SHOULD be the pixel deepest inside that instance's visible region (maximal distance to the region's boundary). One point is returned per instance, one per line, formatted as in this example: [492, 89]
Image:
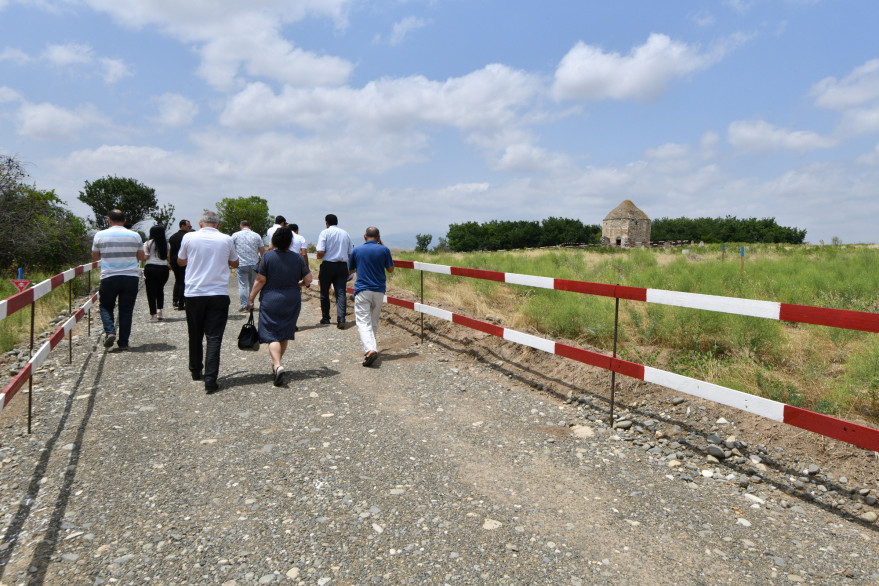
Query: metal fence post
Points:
[613, 374]
[69, 315]
[30, 382]
[422, 303]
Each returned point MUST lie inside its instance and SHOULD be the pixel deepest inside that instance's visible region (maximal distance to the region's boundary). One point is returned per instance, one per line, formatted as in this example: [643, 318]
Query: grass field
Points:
[825, 369]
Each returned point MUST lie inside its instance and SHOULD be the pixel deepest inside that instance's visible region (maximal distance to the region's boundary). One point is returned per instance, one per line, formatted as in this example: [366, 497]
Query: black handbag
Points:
[248, 339]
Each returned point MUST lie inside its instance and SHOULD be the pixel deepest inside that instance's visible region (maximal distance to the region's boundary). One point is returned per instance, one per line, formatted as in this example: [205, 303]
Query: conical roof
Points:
[626, 211]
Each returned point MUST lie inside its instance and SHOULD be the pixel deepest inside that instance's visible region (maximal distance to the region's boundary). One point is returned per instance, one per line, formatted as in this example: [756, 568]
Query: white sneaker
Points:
[154, 319]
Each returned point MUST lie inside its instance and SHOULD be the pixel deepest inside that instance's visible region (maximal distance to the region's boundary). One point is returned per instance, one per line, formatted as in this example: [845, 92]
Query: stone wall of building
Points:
[626, 226]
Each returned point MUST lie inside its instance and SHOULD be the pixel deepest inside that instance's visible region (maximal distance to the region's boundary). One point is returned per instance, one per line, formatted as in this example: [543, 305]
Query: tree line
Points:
[503, 234]
[728, 229]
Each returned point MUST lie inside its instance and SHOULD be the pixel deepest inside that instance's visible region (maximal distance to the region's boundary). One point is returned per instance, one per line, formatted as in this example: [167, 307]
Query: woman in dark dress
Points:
[281, 274]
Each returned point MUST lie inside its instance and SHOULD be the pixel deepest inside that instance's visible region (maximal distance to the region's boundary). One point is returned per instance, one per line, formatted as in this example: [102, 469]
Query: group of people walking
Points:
[275, 269]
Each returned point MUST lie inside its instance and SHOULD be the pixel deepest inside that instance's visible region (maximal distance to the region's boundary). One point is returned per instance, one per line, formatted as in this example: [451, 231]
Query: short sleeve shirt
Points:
[247, 245]
[118, 247]
[370, 261]
[207, 253]
[335, 244]
[298, 243]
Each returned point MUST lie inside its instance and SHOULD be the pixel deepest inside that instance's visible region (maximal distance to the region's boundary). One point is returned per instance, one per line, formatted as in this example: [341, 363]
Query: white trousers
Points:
[367, 310]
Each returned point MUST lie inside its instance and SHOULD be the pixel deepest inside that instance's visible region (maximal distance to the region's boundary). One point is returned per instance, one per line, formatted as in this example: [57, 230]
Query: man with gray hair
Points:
[207, 255]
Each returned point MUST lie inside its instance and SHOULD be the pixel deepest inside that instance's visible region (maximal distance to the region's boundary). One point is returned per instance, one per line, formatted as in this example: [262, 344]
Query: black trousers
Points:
[179, 276]
[155, 277]
[206, 320]
[335, 275]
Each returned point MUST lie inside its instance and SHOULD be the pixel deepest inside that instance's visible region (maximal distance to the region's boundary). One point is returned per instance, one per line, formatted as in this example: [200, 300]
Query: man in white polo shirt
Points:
[207, 256]
[334, 246]
[118, 249]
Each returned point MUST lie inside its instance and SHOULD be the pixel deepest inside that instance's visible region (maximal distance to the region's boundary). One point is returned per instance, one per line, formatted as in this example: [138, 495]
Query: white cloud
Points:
[487, 98]
[589, 73]
[253, 44]
[8, 95]
[233, 37]
[404, 27]
[114, 70]
[175, 111]
[761, 137]
[70, 54]
[15, 55]
[49, 122]
[858, 88]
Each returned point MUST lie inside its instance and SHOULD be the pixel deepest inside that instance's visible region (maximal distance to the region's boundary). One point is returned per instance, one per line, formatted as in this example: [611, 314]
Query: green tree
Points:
[442, 245]
[422, 242]
[164, 216]
[36, 228]
[134, 198]
[254, 209]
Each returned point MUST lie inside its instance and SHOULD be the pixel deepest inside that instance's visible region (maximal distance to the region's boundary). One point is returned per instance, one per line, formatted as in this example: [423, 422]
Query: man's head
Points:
[331, 220]
[244, 224]
[280, 220]
[294, 227]
[209, 219]
[372, 234]
[185, 225]
[116, 218]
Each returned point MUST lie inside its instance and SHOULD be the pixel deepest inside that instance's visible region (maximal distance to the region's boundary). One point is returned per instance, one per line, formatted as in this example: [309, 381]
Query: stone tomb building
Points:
[626, 226]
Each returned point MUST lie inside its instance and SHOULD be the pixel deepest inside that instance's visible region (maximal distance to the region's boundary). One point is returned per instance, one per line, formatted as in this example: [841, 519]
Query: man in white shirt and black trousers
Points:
[334, 246]
[207, 256]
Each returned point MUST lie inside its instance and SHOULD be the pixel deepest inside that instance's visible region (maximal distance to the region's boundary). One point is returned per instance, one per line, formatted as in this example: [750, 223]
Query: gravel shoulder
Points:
[463, 460]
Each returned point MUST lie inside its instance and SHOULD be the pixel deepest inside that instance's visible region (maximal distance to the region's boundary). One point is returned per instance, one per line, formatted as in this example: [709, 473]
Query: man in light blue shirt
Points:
[119, 251]
[334, 246]
[249, 246]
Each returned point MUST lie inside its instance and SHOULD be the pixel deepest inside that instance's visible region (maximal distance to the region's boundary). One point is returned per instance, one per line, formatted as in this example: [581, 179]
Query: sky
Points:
[412, 115]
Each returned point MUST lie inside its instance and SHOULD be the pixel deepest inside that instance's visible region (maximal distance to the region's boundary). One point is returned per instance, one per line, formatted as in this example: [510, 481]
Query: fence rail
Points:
[28, 297]
[824, 316]
[852, 433]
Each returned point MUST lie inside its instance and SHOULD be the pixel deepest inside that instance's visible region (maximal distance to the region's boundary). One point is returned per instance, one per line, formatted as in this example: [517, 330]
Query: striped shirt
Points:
[118, 247]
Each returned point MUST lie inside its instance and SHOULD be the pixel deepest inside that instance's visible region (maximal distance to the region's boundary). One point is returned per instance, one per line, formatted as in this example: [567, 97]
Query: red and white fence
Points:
[21, 300]
[853, 433]
[28, 297]
[40, 356]
[838, 318]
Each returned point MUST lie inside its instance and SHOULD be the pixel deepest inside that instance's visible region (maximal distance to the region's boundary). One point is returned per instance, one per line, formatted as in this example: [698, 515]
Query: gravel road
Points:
[429, 468]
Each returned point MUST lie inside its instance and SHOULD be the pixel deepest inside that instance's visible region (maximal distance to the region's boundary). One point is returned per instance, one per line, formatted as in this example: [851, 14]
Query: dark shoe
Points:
[370, 358]
[109, 340]
[325, 320]
[196, 375]
[341, 325]
[211, 387]
[180, 308]
[279, 376]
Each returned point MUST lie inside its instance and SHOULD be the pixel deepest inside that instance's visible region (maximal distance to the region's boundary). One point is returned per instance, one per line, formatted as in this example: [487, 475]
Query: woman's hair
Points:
[157, 235]
[282, 238]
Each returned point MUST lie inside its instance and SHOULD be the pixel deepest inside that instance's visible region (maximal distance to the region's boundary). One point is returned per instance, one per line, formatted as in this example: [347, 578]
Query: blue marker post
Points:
[20, 274]
[723, 252]
[742, 271]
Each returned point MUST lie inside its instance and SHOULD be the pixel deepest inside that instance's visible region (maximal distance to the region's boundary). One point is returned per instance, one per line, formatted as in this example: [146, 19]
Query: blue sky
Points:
[415, 114]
